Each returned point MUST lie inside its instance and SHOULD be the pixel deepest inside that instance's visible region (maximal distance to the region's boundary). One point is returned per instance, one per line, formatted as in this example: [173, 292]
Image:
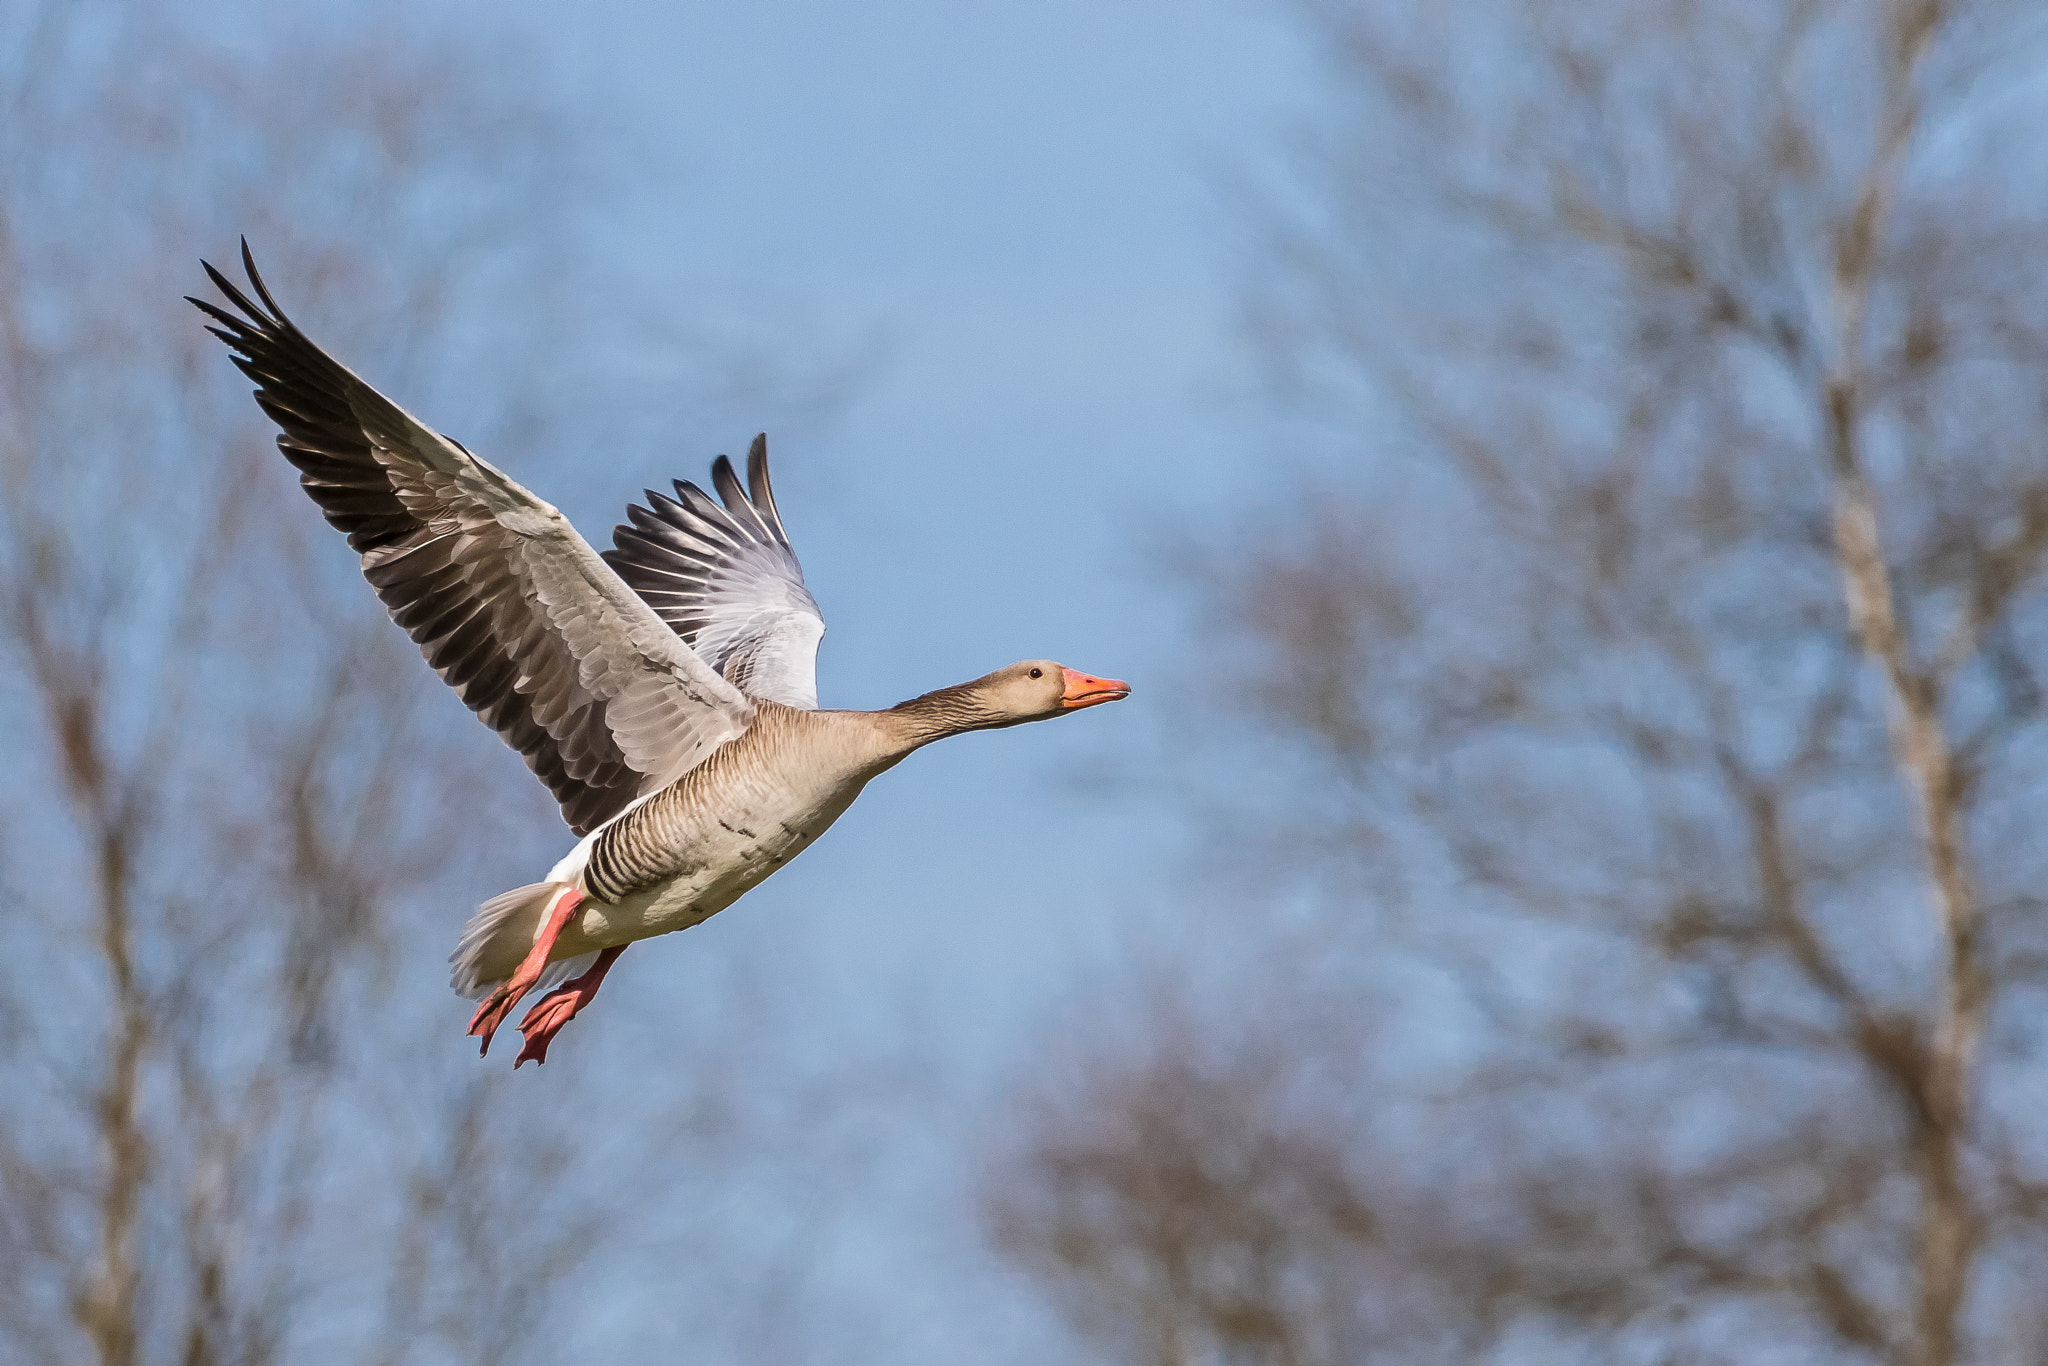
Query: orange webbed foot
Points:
[559, 1007]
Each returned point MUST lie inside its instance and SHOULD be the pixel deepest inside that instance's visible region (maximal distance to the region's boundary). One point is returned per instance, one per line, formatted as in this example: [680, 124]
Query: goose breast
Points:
[697, 846]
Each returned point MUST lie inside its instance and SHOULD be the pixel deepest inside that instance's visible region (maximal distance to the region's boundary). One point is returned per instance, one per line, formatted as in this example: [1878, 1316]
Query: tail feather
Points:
[500, 934]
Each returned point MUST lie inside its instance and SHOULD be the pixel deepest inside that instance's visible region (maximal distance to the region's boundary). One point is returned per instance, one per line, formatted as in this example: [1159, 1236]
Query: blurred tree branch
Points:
[1672, 657]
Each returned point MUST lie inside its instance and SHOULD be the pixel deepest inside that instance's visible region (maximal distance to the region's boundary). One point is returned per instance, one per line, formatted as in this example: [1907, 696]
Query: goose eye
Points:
[1038, 673]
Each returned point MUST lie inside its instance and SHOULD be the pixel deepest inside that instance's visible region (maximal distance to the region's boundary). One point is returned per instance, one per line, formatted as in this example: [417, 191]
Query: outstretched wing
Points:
[727, 580]
[510, 606]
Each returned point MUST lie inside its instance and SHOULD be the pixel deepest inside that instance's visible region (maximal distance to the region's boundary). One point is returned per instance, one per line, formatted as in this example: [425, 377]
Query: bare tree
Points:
[1658, 699]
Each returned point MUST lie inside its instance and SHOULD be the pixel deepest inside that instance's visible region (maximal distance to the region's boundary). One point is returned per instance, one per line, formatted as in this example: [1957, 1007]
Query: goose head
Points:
[1036, 689]
[1029, 690]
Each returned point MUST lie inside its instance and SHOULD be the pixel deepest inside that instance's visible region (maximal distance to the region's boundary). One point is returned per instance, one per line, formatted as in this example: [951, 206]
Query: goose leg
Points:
[495, 1007]
[560, 1006]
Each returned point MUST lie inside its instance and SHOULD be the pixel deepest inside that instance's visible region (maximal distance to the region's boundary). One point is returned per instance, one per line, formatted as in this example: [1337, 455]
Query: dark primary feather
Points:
[506, 602]
[726, 579]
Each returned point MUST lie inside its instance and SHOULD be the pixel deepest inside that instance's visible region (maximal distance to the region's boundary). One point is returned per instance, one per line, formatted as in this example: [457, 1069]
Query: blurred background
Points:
[1567, 479]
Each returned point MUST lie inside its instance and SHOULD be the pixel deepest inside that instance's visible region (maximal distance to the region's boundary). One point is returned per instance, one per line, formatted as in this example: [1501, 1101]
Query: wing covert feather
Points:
[508, 604]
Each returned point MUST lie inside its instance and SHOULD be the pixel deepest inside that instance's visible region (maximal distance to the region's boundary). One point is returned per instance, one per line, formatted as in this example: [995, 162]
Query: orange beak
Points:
[1086, 690]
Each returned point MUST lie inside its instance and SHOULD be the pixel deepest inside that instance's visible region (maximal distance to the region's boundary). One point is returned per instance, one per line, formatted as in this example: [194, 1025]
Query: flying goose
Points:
[664, 691]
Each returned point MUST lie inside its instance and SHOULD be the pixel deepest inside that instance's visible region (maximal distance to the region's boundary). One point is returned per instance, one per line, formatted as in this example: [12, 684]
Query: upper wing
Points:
[726, 579]
[512, 608]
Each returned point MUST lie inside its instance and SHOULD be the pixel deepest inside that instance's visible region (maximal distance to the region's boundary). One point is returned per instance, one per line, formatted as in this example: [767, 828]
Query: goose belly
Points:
[699, 862]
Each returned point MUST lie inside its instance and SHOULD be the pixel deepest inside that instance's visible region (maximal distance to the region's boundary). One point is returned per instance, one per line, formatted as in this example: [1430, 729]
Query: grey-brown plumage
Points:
[665, 692]
[673, 834]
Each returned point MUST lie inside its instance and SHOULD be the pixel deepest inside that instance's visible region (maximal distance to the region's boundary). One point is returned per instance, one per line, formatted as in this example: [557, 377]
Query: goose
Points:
[664, 691]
